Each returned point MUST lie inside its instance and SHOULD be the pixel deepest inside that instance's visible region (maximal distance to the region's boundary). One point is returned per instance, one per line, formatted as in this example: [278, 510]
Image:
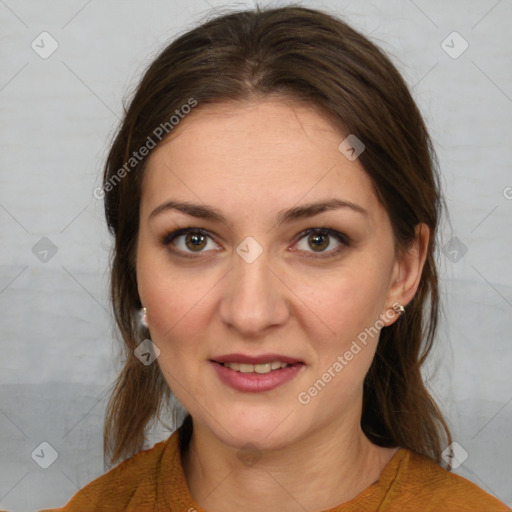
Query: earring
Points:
[399, 309]
[143, 317]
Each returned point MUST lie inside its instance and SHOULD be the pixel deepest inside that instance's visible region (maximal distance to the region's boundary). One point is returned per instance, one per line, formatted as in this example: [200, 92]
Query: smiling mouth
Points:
[256, 374]
[256, 368]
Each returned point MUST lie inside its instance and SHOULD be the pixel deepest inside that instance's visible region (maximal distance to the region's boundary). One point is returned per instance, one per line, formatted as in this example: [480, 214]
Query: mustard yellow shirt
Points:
[153, 480]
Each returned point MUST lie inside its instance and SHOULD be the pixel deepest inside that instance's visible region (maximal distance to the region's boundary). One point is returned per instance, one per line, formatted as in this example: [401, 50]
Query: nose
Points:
[254, 297]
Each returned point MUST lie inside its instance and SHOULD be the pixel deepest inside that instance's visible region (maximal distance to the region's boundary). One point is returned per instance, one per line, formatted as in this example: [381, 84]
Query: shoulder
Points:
[422, 483]
[132, 483]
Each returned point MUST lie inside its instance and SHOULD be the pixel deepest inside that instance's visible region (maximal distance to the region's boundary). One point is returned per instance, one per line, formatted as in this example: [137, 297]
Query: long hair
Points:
[312, 57]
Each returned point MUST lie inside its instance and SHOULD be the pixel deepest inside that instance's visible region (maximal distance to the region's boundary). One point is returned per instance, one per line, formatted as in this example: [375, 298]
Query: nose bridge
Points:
[253, 299]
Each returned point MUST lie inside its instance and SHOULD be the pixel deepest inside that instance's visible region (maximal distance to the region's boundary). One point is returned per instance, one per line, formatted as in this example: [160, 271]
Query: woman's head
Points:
[250, 114]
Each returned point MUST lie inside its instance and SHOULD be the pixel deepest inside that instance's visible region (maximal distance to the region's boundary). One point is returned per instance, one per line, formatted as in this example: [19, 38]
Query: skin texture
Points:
[250, 161]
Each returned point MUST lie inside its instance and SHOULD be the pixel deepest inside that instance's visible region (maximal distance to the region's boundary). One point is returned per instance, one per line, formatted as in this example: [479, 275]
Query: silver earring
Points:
[143, 317]
[399, 309]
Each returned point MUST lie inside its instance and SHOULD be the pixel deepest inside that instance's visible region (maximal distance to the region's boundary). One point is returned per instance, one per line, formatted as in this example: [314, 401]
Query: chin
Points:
[259, 427]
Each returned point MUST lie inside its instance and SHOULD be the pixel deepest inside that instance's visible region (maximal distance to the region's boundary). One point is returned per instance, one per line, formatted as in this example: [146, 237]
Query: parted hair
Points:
[313, 57]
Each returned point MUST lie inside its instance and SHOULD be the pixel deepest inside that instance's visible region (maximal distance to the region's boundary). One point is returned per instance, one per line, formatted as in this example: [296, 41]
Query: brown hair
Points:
[313, 57]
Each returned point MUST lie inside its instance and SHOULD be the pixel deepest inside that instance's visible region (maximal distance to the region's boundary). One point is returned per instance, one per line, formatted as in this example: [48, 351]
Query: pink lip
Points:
[256, 382]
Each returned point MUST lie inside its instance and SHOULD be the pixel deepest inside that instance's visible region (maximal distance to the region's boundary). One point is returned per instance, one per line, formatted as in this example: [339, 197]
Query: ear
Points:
[407, 270]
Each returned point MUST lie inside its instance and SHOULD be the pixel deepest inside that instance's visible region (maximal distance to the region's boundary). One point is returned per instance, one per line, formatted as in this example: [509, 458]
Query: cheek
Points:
[176, 318]
[344, 336]
[343, 311]
[167, 292]
[175, 311]
[343, 302]
[168, 297]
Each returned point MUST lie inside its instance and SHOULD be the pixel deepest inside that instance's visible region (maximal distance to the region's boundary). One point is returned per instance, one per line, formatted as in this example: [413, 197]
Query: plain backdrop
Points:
[59, 352]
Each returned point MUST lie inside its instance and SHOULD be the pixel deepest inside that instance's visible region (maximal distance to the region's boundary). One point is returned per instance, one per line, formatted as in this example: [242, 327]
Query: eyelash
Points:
[345, 241]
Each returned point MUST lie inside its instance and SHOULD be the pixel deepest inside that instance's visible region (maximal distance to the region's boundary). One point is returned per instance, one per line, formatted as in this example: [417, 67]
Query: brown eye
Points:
[195, 241]
[188, 240]
[318, 240]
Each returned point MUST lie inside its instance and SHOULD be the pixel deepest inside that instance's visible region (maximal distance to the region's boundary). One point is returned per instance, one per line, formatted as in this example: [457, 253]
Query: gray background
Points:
[58, 350]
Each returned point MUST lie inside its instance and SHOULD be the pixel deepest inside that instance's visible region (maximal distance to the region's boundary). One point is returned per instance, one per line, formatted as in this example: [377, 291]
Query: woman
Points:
[274, 199]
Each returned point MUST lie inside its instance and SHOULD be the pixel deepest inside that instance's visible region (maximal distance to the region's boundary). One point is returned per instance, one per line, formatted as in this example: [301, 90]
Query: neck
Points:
[337, 464]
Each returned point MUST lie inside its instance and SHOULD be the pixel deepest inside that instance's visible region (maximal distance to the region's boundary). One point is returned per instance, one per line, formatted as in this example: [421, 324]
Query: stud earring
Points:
[143, 317]
[399, 309]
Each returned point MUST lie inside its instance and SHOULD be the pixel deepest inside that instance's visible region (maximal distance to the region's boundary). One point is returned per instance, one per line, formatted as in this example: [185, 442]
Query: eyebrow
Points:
[283, 216]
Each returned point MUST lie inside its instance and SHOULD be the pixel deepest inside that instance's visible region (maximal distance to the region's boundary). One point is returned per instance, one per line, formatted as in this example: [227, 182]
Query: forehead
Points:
[255, 154]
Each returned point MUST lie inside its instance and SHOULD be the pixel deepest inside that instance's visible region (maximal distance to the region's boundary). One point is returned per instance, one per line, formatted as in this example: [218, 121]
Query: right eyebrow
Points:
[194, 210]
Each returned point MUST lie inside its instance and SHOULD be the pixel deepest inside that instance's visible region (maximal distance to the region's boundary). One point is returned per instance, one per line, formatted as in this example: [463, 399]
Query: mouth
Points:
[256, 373]
[264, 363]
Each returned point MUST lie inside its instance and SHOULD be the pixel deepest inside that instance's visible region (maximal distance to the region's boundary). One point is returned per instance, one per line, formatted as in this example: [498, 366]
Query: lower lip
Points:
[256, 382]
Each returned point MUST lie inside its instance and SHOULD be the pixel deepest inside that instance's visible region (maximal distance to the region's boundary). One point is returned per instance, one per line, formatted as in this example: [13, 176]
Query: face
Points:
[262, 279]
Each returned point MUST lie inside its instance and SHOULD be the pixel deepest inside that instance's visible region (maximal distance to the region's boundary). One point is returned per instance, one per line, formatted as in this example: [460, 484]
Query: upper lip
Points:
[263, 358]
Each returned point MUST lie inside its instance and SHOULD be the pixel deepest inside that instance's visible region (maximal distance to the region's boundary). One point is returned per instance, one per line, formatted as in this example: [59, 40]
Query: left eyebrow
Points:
[311, 209]
[283, 216]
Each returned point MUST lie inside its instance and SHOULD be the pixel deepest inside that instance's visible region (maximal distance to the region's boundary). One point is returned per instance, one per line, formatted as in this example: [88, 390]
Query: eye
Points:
[187, 241]
[319, 239]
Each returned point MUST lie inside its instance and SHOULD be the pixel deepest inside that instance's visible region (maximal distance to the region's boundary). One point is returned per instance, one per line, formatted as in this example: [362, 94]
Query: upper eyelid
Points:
[175, 233]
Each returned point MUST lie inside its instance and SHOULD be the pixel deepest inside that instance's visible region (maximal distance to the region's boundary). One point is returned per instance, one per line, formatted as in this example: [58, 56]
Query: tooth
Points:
[257, 368]
[262, 368]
